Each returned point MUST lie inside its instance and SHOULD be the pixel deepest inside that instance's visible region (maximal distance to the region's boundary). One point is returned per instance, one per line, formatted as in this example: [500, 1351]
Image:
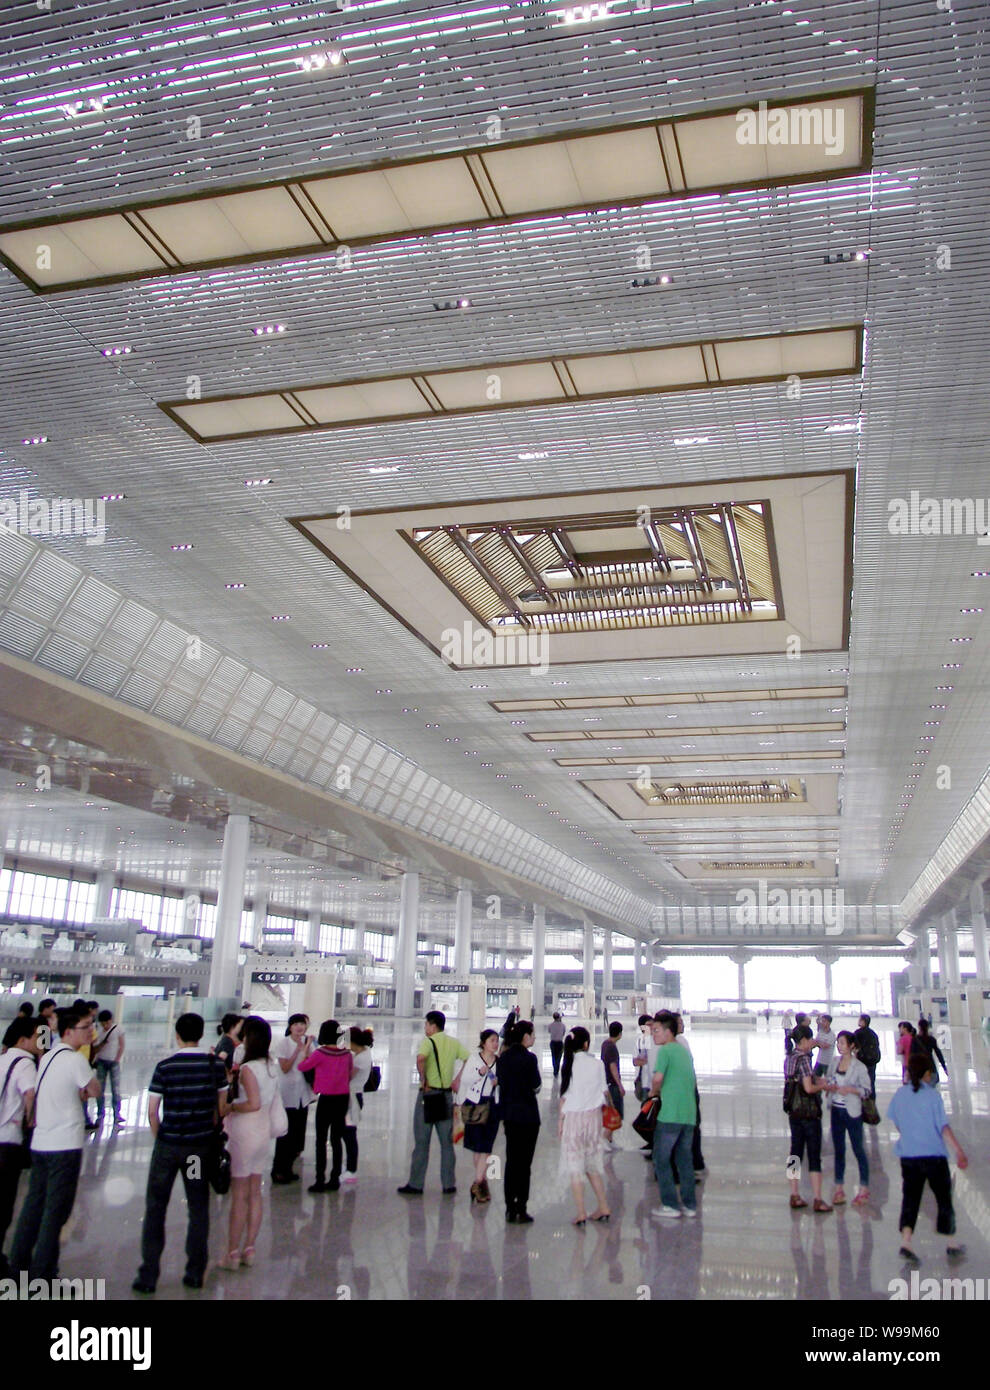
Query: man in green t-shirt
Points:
[674, 1082]
[436, 1062]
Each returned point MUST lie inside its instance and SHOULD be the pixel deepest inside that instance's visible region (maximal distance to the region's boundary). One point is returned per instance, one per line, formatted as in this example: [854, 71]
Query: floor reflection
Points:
[367, 1242]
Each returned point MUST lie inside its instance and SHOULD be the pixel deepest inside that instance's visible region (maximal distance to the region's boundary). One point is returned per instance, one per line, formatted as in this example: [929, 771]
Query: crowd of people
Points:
[219, 1109]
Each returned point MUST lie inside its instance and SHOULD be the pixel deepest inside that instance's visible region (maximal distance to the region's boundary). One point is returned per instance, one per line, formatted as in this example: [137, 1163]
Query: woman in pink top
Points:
[904, 1042]
[332, 1067]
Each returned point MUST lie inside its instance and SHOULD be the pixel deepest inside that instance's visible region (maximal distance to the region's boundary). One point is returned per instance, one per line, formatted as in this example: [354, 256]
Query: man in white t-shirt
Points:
[107, 1054]
[18, 1066]
[64, 1080]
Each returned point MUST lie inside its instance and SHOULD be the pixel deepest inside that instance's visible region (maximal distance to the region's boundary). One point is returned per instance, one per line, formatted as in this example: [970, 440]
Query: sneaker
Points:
[955, 1252]
[523, 1218]
[673, 1213]
[408, 1191]
[349, 1178]
[691, 1212]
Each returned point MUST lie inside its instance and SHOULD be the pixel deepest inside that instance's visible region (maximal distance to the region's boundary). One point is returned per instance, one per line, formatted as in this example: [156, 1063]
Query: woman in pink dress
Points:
[905, 1040]
[249, 1135]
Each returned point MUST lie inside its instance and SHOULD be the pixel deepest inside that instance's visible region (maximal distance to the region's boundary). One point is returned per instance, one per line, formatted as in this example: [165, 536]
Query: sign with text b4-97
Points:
[278, 977]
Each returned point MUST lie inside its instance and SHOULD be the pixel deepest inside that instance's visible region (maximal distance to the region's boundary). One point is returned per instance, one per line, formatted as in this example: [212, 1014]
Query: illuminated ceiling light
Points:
[971, 610]
[113, 497]
[960, 639]
[851, 426]
[280, 617]
[533, 454]
[945, 687]
[479, 687]
[320, 647]
[121, 351]
[265, 330]
[355, 670]
[257, 482]
[846, 257]
[390, 468]
[187, 546]
[951, 665]
[441, 305]
[980, 574]
[235, 586]
[36, 439]
[648, 281]
[690, 439]
[383, 692]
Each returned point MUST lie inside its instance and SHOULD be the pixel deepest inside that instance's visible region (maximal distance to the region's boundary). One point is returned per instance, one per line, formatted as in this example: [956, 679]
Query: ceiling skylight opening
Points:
[383, 468]
[690, 439]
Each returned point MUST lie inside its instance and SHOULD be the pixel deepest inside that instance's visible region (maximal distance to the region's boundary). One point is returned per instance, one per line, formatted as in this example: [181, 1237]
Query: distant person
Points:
[248, 1123]
[848, 1086]
[583, 1091]
[868, 1050]
[558, 1031]
[12, 1032]
[108, 1053]
[47, 1011]
[927, 1043]
[611, 1061]
[519, 1083]
[641, 1083]
[18, 1069]
[332, 1066]
[297, 1096]
[825, 1043]
[805, 1116]
[478, 1089]
[436, 1062]
[917, 1113]
[360, 1041]
[189, 1085]
[787, 1022]
[906, 1034]
[230, 1037]
[605, 1017]
[674, 1082]
[65, 1081]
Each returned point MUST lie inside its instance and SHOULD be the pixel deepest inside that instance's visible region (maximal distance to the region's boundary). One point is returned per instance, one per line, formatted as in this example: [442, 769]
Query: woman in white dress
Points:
[249, 1134]
[583, 1092]
[360, 1043]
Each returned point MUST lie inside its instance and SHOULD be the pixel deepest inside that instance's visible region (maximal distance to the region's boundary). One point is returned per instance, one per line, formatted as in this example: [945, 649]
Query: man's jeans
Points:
[111, 1071]
[673, 1143]
[167, 1161]
[46, 1209]
[422, 1133]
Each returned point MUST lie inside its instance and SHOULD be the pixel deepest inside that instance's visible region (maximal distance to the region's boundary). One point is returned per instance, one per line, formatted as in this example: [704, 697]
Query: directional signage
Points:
[438, 988]
[278, 977]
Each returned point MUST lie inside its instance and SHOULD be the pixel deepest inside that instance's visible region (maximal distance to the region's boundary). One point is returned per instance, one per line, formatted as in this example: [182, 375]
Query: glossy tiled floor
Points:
[368, 1242]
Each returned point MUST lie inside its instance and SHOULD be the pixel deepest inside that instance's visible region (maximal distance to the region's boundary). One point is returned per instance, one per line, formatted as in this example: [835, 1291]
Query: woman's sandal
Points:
[580, 1222]
[602, 1216]
[247, 1258]
[839, 1197]
[232, 1260]
[797, 1202]
[819, 1205]
[861, 1199]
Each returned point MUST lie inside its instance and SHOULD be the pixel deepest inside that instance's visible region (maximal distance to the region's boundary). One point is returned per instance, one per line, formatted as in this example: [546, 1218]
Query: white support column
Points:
[405, 944]
[259, 916]
[607, 966]
[588, 978]
[359, 936]
[463, 909]
[637, 965]
[741, 958]
[230, 905]
[539, 953]
[978, 922]
[313, 924]
[104, 892]
[948, 952]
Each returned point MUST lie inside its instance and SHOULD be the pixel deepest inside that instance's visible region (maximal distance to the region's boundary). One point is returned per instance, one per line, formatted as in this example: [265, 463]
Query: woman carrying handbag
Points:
[848, 1089]
[479, 1111]
[583, 1093]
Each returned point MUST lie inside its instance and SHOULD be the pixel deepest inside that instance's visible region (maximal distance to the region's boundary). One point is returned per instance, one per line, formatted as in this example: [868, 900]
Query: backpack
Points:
[869, 1052]
[374, 1079]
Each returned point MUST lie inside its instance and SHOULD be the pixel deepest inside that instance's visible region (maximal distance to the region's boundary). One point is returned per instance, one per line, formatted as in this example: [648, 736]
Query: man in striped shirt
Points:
[188, 1084]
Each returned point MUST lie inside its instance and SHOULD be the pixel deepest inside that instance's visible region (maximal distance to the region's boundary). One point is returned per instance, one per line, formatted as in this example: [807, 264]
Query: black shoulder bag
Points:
[435, 1102]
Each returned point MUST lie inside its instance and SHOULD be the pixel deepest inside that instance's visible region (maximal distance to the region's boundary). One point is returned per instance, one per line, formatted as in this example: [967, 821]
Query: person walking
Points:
[439, 1078]
[805, 1116]
[189, 1085]
[332, 1067]
[674, 1082]
[65, 1082]
[927, 1043]
[641, 1082]
[18, 1078]
[519, 1082]
[611, 1062]
[868, 1050]
[248, 1115]
[108, 1053]
[360, 1042]
[297, 1096]
[558, 1031]
[905, 1045]
[918, 1114]
[848, 1086]
[478, 1097]
[583, 1092]
[787, 1022]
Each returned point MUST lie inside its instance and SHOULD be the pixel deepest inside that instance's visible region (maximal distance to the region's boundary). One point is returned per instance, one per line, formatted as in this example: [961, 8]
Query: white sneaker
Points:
[691, 1212]
[349, 1178]
[674, 1213]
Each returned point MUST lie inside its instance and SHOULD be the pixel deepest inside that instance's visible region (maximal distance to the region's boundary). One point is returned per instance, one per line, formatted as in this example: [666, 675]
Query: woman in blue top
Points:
[917, 1112]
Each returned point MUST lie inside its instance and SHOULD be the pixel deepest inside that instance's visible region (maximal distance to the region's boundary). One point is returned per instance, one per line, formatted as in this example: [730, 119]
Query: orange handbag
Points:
[611, 1119]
